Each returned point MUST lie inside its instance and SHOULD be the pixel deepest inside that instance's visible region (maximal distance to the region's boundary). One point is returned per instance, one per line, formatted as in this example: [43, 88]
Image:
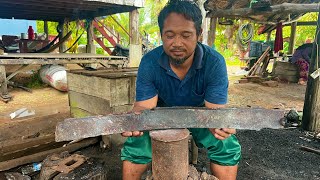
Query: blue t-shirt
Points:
[206, 79]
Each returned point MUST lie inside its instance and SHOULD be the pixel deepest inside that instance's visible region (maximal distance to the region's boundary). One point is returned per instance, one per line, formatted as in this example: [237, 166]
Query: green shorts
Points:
[223, 152]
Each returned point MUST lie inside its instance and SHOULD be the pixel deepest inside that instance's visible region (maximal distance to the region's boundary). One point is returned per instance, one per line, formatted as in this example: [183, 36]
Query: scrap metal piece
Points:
[70, 163]
[169, 118]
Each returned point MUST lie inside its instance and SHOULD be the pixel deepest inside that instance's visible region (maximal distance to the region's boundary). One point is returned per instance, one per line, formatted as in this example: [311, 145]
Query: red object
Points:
[30, 33]
[278, 42]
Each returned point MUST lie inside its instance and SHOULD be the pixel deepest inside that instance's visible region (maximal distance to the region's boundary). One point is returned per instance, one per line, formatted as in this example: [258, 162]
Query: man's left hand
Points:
[222, 133]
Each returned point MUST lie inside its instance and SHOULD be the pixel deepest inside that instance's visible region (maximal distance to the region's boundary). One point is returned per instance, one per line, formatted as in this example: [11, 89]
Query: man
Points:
[301, 57]
[182, 72]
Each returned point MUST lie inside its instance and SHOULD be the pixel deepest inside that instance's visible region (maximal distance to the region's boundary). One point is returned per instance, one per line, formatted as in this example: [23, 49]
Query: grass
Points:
[35, 81]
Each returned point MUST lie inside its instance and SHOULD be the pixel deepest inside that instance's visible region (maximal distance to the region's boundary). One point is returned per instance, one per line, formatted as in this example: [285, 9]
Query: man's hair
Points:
[187, 8]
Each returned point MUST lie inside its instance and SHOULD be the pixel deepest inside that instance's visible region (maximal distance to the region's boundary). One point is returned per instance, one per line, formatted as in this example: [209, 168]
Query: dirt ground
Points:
[266, 154]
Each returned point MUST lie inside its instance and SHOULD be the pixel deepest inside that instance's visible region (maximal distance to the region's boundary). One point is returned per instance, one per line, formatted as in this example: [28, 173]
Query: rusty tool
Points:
[168, 118]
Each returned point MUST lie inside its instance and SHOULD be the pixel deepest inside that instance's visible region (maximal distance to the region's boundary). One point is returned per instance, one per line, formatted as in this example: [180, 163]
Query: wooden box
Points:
[286, 71]
[101, 92]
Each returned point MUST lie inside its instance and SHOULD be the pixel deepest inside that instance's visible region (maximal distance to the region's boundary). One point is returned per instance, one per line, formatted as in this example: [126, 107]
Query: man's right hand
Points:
[132, 134]
[137, 108]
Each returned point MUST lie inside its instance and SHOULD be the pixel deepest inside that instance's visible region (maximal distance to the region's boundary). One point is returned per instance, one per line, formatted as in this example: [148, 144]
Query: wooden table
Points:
[25, 59]
[23, 44]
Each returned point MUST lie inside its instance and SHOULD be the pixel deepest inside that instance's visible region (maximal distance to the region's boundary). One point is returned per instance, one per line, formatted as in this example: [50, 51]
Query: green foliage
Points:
[52, 27]
[99, 50]
[234, 61]
[35, 81]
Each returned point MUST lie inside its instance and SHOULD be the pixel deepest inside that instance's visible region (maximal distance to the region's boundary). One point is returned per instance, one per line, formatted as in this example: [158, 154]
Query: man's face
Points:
[179, 38]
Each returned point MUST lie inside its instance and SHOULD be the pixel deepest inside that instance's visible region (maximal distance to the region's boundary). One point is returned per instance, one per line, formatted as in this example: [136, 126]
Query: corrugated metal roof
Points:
[57, 10]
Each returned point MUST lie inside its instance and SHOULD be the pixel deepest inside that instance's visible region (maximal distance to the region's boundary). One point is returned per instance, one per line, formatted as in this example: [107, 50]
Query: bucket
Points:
[55, 76]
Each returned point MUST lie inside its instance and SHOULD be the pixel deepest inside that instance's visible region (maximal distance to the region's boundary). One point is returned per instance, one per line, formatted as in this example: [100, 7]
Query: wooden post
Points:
[3, 82]
[212, 31]
[135, 49]
[46, 29]
[62, 47]
[90, 43]
[311, 109]
[292, 37]
[204, 27]
[269, 36]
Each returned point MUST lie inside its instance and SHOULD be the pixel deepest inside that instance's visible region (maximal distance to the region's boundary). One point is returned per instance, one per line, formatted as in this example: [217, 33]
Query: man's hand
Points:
[137, 108]
[222, 133]
[132, 134]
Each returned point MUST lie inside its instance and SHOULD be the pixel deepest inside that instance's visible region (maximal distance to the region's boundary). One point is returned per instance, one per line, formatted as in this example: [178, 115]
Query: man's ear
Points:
[200, 35]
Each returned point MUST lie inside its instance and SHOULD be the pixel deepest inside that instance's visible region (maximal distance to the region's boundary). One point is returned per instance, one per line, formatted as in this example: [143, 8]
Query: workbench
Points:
[26, 59]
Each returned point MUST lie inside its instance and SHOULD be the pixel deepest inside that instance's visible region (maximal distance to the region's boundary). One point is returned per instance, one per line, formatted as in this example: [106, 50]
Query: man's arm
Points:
[140, 106]
[222, 133]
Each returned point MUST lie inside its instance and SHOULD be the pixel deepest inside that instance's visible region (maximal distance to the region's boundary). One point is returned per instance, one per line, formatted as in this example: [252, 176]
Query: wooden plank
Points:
[60, 61]
[282, 66]
[62, 46]
[90, 44]
[292, 37]
[13, 146]
[119, 90]
[92, 104]
[212, 31]
[79, 113]
[116, 75]
[275, 9]
[94, 86]
[105, 70]
[3, 81]
[122, 109]
[132, 90]
[56, 55]
[135, 48]
[30, 127]
[5, 165]
[257, 64]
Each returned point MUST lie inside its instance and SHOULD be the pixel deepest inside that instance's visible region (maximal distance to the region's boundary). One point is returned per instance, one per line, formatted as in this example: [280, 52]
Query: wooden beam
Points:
[212, 31]
[204, 26]
[46, 29]
[90, 43]
[5, 165]
[311, 109]
[281, 8]
[292, 37]
[304, 23]
[268, 36]
[62, 47]
[135, 49]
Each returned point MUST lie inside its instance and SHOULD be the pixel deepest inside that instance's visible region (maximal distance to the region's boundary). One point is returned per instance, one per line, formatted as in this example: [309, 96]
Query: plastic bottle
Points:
[28, 169]
[30, 33]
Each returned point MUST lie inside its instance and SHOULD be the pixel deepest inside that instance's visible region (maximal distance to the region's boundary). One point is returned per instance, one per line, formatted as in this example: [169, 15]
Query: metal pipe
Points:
[170, 154]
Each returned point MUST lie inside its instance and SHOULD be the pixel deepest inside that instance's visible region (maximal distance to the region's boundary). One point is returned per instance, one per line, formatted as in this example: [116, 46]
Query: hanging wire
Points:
[245, 29]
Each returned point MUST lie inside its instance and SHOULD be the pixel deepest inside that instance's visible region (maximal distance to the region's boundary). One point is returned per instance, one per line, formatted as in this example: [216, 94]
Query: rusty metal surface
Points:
[169, 154]
[169, 118]
[169, 135]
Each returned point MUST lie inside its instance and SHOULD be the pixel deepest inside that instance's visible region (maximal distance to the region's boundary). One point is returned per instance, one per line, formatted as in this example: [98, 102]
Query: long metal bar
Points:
[168, 118]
